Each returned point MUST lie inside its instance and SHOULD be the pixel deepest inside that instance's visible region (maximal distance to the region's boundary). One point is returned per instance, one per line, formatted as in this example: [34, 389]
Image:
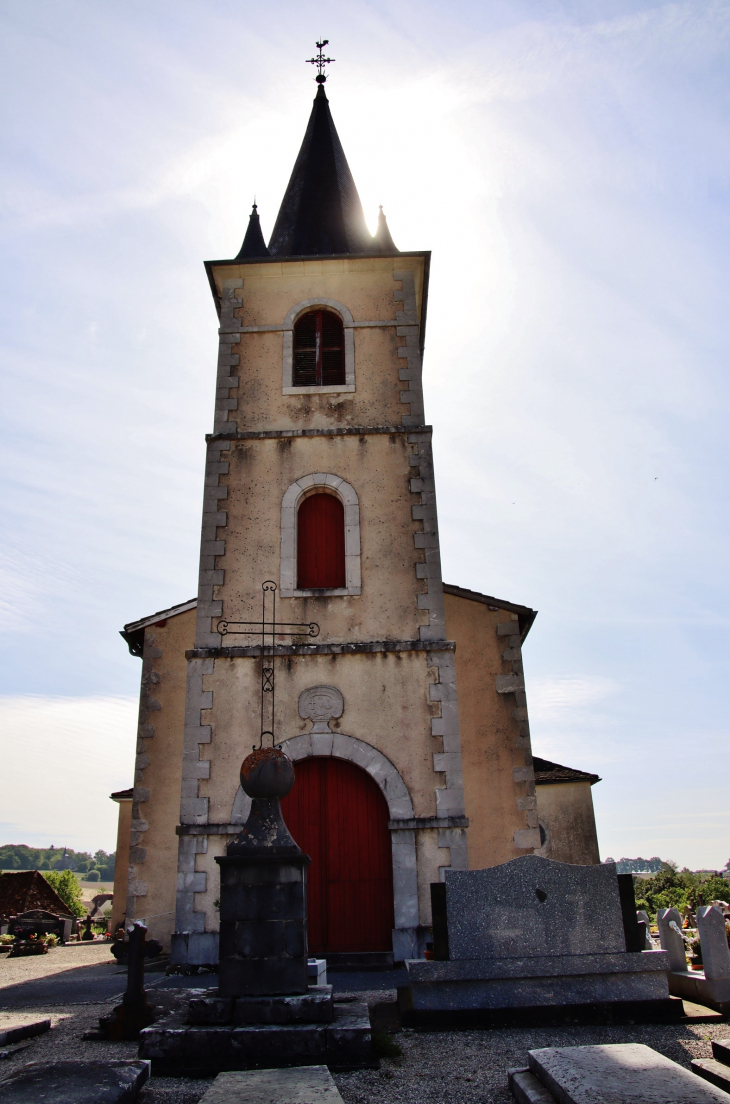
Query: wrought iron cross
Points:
[320, 61]
[272, 629]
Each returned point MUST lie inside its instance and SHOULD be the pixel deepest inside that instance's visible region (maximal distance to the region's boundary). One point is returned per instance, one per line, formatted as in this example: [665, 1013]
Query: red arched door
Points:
[339, 817]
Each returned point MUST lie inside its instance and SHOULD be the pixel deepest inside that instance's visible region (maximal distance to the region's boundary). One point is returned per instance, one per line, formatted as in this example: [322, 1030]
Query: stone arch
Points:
[288, 347]
[403, 840]
[308, 484]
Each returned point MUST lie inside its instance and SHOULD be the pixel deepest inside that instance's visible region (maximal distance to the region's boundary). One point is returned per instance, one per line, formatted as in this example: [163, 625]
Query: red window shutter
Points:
[321, 543]
[319, 350]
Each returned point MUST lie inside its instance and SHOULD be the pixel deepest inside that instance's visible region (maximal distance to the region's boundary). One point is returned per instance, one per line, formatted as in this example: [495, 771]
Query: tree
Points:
[68, 889]
[92, 876]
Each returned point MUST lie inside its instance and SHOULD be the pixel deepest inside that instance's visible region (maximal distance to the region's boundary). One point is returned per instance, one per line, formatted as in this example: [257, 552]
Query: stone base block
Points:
[194, 949]
[526, 1089]
[179, 1049]
[314, 1006]
[560, 988]
[694, 986]
[84, 1082]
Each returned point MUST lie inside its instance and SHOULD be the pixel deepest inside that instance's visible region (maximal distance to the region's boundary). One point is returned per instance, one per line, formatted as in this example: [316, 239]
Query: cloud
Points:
[62, 757]
[565, 701]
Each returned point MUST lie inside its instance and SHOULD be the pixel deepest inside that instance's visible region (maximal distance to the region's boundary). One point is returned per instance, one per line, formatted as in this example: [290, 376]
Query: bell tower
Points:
[319, 477]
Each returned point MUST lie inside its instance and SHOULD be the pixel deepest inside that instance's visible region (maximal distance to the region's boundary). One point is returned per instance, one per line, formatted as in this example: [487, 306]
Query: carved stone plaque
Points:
[321, 704]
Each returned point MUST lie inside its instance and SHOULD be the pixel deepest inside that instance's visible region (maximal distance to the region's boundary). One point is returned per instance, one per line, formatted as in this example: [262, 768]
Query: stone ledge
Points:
[487, 969]
[254, 650]
[429, 822]
[334, 431]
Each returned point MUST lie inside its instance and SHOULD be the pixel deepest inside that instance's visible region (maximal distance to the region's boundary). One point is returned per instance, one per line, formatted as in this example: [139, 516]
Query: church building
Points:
[399, 698]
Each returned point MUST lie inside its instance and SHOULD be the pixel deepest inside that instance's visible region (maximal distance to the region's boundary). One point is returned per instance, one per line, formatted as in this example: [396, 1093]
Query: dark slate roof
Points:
[122, 795]
[321, 212]
[547, 773]
[26, 890]
[253, 242]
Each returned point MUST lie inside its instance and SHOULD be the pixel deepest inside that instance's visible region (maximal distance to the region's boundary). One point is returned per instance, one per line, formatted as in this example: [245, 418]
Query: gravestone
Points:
[535, 939]
[311, 1085]
[134, 1013]
[622, 1073]
[264, 1012]
[73, 1081]
[711, 985]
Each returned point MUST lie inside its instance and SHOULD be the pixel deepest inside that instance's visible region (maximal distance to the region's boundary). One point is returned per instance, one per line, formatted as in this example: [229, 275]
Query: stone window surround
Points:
[290, 503]
[288, 347]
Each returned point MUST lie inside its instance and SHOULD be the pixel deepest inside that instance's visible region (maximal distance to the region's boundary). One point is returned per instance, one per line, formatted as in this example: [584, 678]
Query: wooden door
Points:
[339, 817]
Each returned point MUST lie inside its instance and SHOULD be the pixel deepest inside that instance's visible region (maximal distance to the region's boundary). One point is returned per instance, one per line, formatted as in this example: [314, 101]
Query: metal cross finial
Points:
[320, 61]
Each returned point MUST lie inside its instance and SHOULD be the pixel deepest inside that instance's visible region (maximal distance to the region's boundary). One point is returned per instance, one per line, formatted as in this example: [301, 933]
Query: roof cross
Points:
[320, 61]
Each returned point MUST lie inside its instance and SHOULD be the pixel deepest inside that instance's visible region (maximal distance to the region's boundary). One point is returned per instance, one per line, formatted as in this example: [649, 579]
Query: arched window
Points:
[321, 543]
[319, 350]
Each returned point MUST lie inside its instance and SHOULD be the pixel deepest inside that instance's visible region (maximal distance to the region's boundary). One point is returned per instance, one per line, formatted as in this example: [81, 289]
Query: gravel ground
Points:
[470, 1067]
[457, 1067]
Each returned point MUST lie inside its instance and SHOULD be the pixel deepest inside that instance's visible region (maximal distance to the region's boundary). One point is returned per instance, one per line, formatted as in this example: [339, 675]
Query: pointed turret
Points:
[321, 212]
[383, 241]
[253, 242]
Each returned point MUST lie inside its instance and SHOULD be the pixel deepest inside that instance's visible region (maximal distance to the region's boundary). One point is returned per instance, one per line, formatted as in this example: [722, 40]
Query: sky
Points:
[568, 164]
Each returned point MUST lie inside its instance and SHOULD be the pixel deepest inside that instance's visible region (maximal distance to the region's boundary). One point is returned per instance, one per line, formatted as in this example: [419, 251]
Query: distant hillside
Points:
[637, 866]
[16, 856]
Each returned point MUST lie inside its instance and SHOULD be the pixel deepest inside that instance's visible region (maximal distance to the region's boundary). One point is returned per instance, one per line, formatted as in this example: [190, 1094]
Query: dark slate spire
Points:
[382, 239]
[321, 211]
[253, 243]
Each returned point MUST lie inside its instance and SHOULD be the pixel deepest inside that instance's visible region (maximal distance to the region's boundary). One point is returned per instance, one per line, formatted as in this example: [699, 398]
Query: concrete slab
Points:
[306, 1085]
[526, 1089]
[75, 1082]
[692, 985]
[620, 1073]
[16, 1026]
[717, 1073]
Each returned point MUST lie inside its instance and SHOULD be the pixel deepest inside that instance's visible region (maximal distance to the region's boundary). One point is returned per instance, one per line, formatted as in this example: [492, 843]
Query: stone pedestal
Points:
[263, 927]
[263, 1013]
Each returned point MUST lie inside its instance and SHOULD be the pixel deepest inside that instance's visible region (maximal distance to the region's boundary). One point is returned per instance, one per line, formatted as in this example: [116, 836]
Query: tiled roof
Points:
[547, 773]
[26, 890]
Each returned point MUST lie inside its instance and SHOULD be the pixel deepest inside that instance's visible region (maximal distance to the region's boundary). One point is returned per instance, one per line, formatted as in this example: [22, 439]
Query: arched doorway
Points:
[339, 817]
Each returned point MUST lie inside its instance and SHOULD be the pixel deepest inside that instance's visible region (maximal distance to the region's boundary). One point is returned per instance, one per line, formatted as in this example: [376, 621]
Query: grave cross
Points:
[267, 628]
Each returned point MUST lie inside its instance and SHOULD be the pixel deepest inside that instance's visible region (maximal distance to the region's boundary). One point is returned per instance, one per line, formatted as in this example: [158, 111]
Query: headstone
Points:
[533, 906]
[622, 1073]
[670, 937]
[308, 1085]
[75, 1082]
[87, 932]
[713, 939]
[643, 918]
[537, 936]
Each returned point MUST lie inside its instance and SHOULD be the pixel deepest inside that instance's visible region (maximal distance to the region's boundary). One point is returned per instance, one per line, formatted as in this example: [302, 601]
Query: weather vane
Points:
[320, 61]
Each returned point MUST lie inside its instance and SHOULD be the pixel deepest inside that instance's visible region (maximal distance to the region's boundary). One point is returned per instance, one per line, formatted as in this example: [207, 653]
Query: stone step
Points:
[619, 1072]
[721, 1051]
[16, 1026]
[306, 1085]
[717, 1073]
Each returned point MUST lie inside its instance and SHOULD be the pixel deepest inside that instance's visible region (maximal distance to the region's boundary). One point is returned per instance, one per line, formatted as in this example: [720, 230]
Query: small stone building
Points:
[400, 698]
